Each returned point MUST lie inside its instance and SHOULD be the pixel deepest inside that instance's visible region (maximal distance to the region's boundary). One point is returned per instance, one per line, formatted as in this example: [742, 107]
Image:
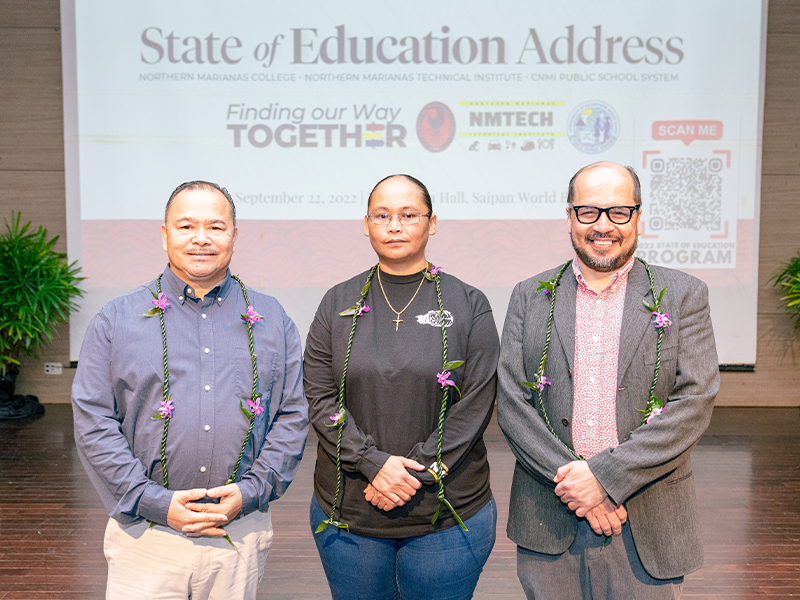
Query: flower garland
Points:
[661, 321]
[166, 408]
[437, 469]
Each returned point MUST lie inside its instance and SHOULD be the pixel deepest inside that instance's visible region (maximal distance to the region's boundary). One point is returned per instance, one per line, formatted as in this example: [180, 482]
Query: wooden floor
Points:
[747, 468]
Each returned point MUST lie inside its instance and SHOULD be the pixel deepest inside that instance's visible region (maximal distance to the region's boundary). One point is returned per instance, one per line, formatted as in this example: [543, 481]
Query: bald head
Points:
[636, 192]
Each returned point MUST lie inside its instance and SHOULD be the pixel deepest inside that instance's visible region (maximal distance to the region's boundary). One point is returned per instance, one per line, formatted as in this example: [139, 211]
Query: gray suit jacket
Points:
[650, 471]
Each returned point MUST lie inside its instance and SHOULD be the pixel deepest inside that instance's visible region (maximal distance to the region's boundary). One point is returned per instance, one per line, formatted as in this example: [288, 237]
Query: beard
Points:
[604, 264]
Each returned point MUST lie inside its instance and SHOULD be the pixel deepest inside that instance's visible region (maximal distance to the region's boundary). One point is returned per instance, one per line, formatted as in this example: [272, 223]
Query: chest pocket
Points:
[669, 354]
[266, 363]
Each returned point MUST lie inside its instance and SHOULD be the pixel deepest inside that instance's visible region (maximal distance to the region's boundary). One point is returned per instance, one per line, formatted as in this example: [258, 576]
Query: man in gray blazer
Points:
[603, 502]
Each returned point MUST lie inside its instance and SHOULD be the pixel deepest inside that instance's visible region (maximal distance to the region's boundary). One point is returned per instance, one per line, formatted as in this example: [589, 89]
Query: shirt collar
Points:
[617, 279]
[179, 291]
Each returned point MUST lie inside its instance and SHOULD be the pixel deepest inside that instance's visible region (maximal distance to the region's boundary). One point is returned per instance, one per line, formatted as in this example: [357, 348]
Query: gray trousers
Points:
[589, 571]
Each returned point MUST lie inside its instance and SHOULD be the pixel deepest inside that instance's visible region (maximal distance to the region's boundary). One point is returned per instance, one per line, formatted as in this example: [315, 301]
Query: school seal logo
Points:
[593, 127]
[432, 318]
[436, 126]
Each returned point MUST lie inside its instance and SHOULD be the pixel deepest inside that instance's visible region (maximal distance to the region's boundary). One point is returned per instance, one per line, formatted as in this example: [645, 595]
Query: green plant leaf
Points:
[349, 312]
[549, 285]
[322, 526]
[365, 289]
[247, 413]
[455, 514]
[151, 313]
[230, 541]
[789, 278]
[330, 521]
[436, 514]
[453, 364]
[37, 287]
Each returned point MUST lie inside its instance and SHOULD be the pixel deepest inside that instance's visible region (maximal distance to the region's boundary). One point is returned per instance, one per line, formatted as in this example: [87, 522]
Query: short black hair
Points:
[637, 187]
[199, 184]
[426, 196]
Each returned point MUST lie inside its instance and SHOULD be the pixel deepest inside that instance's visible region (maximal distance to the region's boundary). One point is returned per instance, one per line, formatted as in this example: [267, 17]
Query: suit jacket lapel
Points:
[635, 318]
[564, 317]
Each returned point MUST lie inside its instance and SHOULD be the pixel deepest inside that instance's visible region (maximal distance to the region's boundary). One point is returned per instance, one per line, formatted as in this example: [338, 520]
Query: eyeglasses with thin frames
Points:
[619, 215]
[408, 217]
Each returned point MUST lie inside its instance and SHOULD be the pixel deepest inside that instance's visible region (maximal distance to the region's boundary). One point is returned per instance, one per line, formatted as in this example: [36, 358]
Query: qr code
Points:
[685, 194]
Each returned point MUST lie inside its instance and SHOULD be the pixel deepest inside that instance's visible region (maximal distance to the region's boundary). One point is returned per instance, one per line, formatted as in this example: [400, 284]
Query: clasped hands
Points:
[582, 493]
[393, 486]
[197, 519]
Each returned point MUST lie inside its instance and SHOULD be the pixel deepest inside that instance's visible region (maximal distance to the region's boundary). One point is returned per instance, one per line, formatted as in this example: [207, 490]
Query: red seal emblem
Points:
[436, 126]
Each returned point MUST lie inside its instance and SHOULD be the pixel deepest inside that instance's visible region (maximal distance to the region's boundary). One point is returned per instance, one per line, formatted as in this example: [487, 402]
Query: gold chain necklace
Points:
[398, 320]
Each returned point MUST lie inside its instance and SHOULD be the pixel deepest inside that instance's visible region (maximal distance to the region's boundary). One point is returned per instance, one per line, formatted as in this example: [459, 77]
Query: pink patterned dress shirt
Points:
[598, 321]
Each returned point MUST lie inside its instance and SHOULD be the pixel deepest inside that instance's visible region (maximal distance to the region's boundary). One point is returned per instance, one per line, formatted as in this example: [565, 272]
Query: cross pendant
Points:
[397, 322]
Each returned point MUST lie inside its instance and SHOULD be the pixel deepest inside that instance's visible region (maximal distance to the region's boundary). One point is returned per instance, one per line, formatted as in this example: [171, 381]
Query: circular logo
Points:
[593, 127]
[436, 126]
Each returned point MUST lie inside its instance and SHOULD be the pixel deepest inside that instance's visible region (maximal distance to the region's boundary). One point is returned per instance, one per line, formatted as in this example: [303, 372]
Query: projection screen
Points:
[300, 108]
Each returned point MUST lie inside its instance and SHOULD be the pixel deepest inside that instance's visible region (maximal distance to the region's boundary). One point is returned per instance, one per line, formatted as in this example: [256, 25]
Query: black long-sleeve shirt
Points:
[393, 398]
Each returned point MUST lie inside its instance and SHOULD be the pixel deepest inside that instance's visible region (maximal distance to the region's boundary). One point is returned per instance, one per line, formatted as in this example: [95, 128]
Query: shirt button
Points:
[204, 315]
[208, 387]
[180, 298]
[595, 339]
[597, 301]
[590, 423]
[207, 427]
[219, 299]
[207, 350]
[202, 469]
[189, 290]
[592, 379]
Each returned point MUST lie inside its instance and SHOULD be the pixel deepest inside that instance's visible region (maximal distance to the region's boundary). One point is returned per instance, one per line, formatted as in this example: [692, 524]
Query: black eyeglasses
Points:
[619, 215]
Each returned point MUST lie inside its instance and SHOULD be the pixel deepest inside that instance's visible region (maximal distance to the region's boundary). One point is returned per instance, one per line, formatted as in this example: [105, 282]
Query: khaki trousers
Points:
[161, 563]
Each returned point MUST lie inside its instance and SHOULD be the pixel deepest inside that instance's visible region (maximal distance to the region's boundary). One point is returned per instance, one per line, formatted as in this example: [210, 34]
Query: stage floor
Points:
[747, 469]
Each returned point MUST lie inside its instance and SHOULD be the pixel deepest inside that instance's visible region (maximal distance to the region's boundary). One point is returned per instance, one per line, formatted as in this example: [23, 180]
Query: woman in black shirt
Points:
[402, 504]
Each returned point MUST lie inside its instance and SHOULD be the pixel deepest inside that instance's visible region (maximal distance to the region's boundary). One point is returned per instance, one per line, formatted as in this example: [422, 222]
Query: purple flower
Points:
[434, 270]
[443, 379]
[361, 311]
[541, 381]
[255, 407]
[251, 317]
[161, 302]
[337, 418]
[547, 291]
[654, 412]
[661, 320]
[166, 407]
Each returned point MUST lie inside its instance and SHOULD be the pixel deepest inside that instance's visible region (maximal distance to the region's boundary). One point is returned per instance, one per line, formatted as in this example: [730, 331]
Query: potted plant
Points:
[789, 278]
[37, 291]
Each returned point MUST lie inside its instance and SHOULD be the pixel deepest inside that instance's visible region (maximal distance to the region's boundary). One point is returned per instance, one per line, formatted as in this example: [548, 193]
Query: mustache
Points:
[603, 236]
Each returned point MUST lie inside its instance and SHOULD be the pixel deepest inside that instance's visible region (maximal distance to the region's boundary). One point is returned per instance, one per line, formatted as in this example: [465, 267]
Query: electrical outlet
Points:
[53, 368]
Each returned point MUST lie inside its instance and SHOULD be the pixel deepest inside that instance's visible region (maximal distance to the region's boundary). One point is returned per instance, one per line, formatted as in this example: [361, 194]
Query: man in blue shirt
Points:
[187, 469]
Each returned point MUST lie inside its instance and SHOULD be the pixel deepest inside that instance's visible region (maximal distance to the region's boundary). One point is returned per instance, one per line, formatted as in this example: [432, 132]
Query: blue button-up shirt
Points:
[118, 389]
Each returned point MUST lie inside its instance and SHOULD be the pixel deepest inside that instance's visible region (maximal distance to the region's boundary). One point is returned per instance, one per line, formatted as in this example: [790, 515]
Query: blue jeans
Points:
[443, 566]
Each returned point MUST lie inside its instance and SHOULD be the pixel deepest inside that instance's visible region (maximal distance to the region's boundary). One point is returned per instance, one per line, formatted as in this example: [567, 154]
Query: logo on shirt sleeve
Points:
[432, 318]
